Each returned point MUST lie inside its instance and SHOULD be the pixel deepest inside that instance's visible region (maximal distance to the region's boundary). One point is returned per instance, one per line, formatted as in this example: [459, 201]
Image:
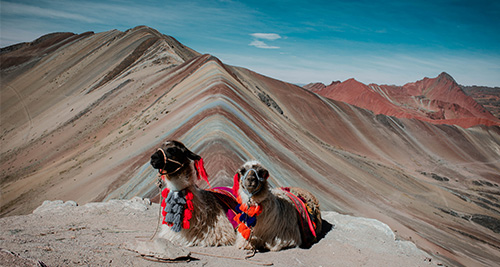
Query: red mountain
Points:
[488, 97]
[437, 100]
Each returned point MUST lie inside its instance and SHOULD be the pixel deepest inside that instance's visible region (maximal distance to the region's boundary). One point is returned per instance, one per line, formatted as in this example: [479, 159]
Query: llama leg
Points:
[242, 243]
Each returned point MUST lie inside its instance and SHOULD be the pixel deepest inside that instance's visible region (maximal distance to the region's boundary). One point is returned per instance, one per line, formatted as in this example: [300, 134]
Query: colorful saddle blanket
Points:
[307, 225]
[228, 202]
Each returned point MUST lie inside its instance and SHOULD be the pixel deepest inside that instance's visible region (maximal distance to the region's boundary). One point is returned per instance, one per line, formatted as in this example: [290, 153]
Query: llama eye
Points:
[171, 151]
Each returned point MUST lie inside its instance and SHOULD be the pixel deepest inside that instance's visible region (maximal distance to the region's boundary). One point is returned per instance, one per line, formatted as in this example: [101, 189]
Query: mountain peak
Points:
[335, 83]
[445, 77]
[314, 87]
[351, 80]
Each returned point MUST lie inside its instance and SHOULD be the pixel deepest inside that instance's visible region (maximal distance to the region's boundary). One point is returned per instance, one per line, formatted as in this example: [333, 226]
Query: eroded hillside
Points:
[80, 121]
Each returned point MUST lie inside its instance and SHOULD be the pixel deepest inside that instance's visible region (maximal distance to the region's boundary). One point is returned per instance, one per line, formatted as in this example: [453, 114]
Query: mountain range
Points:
[82, 113]
[437, 100]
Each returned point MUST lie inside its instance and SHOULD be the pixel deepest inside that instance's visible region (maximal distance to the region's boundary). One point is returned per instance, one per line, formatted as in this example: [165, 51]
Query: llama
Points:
[191, 216]
[273, 219]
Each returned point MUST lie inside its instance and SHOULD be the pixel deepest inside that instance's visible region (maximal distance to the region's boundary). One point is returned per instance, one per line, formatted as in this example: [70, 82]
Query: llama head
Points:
[173, 159]
[253, 181]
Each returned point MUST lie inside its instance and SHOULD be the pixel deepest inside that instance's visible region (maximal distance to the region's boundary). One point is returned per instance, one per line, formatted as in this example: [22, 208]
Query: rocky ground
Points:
[106, 234]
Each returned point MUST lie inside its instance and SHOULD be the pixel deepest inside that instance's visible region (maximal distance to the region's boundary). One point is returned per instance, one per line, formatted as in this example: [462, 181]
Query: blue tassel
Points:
[169, 218]
[244, 217]
[176, 209]
[176, 228]
[175, 205]
[177, 219]
[169, 197]
[168, 208]
[251, 221]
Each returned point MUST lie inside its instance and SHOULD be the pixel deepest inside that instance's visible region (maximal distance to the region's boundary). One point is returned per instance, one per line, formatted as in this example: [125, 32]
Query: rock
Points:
[355, 230]
[160, 249]
[8, 258]
[53, 206]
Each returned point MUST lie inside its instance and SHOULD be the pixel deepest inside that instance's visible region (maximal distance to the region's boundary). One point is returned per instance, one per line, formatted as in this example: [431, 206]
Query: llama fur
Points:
[209, 225]
[277, 226]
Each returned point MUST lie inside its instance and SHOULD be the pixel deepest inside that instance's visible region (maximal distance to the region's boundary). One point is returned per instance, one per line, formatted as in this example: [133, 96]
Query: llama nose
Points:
[155, 160]
[251, 182]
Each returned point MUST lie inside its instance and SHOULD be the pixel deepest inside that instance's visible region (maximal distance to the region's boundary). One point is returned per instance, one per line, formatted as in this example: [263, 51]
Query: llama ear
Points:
[191, 155]
[241, 171]
[264, 173]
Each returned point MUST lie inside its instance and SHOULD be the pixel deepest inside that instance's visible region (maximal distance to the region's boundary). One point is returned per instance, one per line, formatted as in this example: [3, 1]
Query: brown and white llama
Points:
[191, 216]
[273, 219]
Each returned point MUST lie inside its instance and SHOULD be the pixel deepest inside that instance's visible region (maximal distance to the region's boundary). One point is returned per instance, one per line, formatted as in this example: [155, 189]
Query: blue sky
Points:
[384, 42]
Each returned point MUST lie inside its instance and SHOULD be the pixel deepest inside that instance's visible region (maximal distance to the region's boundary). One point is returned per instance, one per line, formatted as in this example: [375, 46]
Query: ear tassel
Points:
[236, 184]
[201, 173]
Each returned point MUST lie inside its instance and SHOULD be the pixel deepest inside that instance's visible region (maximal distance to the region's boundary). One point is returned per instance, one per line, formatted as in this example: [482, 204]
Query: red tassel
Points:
[187, 214]
[164, 195]
[244, 231]
[237, 218]
[201, 173]
[242, 227]
[236, 184]
[185, 224]
[254, 211]
[246, 234]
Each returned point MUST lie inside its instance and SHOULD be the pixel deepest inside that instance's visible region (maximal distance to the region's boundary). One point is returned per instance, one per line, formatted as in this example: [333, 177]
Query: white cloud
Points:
[266, 36]
[260, 44]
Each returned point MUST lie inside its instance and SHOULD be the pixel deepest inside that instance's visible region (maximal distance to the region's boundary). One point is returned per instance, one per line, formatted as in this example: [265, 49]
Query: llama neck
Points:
[263, 198]
[174, 185]
[180, 180]
[270, 200]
